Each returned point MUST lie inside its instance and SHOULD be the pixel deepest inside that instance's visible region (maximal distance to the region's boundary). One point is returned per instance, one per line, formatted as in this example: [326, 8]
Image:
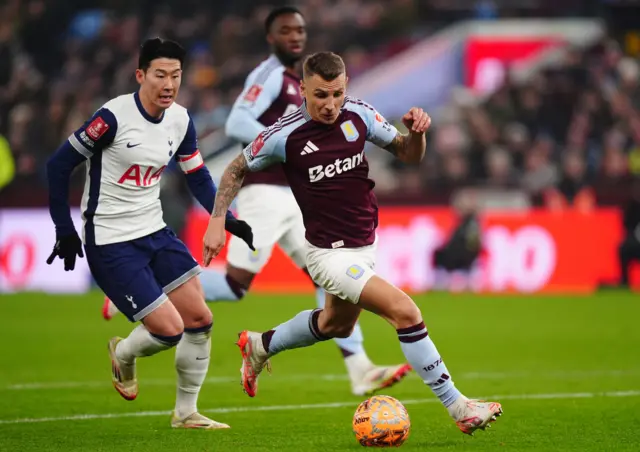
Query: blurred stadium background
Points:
[530, 185]
[538, 117]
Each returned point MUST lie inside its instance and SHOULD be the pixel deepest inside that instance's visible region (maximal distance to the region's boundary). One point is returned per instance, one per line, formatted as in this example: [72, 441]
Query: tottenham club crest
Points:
[350, 131]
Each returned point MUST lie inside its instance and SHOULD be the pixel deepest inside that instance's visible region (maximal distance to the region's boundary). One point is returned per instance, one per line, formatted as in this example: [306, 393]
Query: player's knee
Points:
[405, 313]
[199, 319]
[171, 327]
[337, 328]
[343, 331]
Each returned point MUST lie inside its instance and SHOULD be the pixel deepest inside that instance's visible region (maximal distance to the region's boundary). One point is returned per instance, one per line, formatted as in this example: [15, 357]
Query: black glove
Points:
[240, 229]
[67, 248]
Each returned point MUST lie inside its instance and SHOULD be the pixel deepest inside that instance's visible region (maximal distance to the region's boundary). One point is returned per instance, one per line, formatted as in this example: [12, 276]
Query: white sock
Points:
[423, 356]
[142, 343]
[300, 331]
[352, 344]
[192, 364]
[216, 287]
[358, 365]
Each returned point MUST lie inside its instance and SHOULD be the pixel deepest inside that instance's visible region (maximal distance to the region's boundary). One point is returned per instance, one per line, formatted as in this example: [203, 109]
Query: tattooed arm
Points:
[229, 186]
[265, 150]
[215, 237]
[410, 148]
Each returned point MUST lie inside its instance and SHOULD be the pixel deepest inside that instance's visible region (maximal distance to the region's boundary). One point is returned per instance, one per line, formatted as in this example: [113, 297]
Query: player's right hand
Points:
[416, 120]
[67, 248]
[214, 239]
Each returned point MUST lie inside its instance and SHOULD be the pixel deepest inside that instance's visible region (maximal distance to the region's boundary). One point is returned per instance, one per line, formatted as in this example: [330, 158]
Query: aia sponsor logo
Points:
[141, 177]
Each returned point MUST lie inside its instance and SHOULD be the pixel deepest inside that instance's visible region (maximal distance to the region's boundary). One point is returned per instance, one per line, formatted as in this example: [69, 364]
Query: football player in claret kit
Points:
[321, 148]
[134, 257]
[265, 200]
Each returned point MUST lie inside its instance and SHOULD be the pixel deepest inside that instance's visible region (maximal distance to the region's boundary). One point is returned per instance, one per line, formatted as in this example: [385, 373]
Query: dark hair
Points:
[327, 65]
[155, 48]
[277, 12]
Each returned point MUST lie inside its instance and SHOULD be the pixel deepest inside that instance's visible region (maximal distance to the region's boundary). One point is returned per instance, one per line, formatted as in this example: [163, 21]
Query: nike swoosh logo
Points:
[200, 359]
[129, 145]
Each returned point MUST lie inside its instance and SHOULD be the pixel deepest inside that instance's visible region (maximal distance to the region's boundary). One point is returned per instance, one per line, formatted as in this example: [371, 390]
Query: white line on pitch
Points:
[558, 375]
[241, 409]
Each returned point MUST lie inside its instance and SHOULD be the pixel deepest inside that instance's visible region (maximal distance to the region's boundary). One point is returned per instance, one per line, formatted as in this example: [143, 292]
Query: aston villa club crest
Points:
[355, 271]
[254, 256]
[349, 130]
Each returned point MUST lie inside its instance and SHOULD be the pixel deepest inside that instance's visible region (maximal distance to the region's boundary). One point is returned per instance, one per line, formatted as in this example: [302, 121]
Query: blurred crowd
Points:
[570, 134]
[60, 60]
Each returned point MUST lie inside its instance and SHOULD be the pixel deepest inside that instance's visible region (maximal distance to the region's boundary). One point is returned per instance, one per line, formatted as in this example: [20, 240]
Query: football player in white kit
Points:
[266, 201]
[134, 257]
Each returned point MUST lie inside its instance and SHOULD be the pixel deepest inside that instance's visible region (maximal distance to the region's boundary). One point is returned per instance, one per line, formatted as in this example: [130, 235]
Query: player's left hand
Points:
[67, 248]
[214, 240]
[240, 229]
[416, 120]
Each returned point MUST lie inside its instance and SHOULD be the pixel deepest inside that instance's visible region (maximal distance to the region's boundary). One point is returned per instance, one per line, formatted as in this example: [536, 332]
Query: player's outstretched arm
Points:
[59, 169]
[410, 148]
[204, 190]
[97, 133]
[230, 184]
[265, 150]
[202, 186]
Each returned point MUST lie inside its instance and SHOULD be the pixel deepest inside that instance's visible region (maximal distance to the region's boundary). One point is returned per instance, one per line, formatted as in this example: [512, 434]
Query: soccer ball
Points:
[381, 421]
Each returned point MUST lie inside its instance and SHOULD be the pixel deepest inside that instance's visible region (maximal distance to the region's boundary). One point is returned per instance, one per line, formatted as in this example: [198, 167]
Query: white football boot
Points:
[471, 415]
[123, 375]
[254, 359]
[197, 421]
[377, 378]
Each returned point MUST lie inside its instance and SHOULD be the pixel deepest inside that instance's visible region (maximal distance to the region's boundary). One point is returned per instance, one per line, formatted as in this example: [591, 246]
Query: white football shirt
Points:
[127, 151]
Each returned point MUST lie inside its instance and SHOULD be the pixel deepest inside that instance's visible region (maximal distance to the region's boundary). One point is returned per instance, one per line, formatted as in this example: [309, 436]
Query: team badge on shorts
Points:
[349, 130]
[254, 256]
[355, 271]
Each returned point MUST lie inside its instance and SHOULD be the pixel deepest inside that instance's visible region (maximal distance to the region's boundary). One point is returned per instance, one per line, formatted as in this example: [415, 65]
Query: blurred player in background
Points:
[455, 259]
[134, 257]
[629, 248]
[265, 200]
[321, 149]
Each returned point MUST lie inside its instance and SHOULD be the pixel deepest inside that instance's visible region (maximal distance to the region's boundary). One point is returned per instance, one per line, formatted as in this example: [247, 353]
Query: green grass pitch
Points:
[567, 370]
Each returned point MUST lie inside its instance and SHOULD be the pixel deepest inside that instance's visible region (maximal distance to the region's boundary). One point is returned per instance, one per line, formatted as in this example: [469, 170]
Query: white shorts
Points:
[274, 217]
[342, 272]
